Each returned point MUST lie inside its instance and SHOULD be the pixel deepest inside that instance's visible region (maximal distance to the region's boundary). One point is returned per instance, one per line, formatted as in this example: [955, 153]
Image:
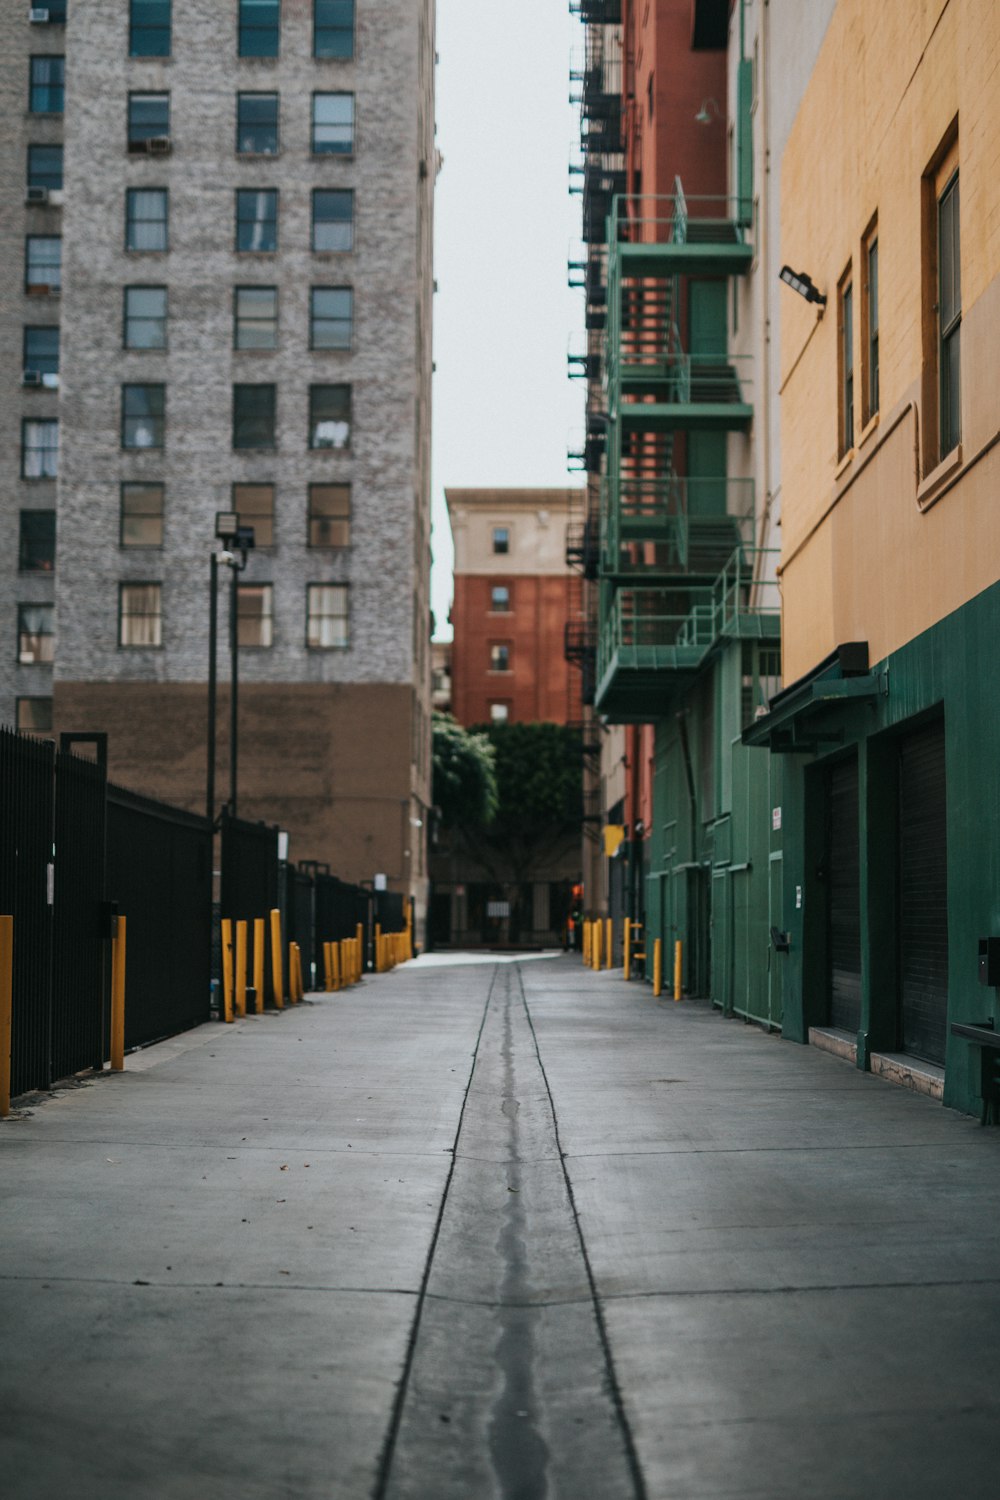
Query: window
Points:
[333, 124]
[326, 616]
[255, 317]
[333, 28]
[36, 551]
[870, 346]
[253, 416]
[40, 449]
[149, 28]
[257, 124]
[148, 120]
[329, 416]
[500, 657]
[45, 167]
[260, 28]
[332, 317]
[499, 713]
[500, 599]
[501, 539]
[254, 504]
[254, 618]
[41, 355]
[845, 302]
[36, 624]
[146, 211]
[949, 318]
[140, 614]
[43, 263]
[329, 515]
[145, 317]
[256, 219]
[56, 12]
[34, 715]
[333, 219]
[142, 515]
[143, 411]
[47, 91]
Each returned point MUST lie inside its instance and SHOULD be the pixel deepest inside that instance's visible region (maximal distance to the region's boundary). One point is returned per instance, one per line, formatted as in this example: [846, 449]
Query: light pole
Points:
[236, 541]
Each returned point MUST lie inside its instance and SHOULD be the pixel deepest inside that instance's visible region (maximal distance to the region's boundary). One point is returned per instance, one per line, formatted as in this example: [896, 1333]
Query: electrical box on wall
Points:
[989, 961]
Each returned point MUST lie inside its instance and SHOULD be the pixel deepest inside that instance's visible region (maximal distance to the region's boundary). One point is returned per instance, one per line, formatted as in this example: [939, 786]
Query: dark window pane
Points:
[254, 614]
[256, 219]
[329, 416]
[333, 123]
[140, 614]
[43, 261]
[257, 124]
[45, 167]
[333, 28]
[501, 539]
[41, 354]
[146, 219]
[56, 10]
[332, 317]
[329, 515]
[873, 373]
[142, 515]
[149, 28]
[47, 90]
[148, 119]
[500, 598]
[260, 28]
[333, 219]
[143, 408]
[37, 541]
[253, 416]
[145, 317]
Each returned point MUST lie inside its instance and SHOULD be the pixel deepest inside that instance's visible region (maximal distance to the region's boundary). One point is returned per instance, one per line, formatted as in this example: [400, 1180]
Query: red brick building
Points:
[513, 598]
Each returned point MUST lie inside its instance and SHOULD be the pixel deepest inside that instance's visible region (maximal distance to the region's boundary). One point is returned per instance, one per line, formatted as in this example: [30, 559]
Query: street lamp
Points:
[236, 541]
[803, 284]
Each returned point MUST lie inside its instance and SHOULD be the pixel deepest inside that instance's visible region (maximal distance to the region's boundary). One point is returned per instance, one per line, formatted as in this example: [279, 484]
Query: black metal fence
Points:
[27, 796]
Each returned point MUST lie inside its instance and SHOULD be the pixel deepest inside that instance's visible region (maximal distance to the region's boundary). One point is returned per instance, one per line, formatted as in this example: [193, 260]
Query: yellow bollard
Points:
[277, 979]
[658, 967]
[587, 924]
[360, 939]
[378, 947]
[227, 970]
[118, 997]
[258, 964]
[677, 969]
[627, 958]
[241, 968]
[611, 946]
[335, 965]
[595, 955]
[6, 1009]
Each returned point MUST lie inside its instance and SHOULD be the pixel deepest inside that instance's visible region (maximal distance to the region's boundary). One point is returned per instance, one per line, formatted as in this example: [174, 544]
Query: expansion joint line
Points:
[638, 1479]
[396, 1417]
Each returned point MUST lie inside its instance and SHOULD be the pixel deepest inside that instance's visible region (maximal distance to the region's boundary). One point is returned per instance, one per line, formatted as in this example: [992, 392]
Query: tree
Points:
[464, 774]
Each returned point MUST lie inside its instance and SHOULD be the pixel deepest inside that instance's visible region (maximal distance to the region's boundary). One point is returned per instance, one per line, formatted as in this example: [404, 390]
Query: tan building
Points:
[890, 557]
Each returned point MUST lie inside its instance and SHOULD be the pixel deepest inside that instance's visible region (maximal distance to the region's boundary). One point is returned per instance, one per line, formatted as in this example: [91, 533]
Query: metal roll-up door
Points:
[844, 896]
[923, 895]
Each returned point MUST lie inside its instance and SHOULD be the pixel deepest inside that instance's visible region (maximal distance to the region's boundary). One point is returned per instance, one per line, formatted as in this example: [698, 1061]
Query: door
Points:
[923, 895]
[843, 897]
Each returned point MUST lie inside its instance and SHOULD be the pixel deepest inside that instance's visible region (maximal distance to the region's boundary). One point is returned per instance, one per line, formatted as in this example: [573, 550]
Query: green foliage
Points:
[465, 784]
[539, 774]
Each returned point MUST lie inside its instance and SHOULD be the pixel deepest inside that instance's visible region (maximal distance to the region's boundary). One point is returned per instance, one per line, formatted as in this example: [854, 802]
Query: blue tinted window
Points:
[260, 28]
[333, 28]
[149, 28]
[48, 85]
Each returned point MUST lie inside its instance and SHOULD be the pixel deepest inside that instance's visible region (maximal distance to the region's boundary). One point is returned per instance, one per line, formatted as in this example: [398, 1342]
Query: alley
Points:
[508, 1230]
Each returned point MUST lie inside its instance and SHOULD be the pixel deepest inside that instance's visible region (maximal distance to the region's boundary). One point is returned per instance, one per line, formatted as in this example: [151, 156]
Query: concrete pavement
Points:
[496, 1230]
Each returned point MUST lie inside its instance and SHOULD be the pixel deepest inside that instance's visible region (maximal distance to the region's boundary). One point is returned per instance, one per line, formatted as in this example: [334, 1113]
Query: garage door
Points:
[844, 896]
[923, 895]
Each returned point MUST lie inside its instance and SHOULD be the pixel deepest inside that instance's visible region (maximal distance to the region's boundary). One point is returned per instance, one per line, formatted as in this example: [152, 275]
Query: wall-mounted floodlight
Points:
[705, 116]
[801, 283]
[227, 524]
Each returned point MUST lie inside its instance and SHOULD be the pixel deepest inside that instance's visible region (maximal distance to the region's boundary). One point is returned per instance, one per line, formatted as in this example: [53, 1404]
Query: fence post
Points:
[276, 972]
[627, 960]
[227, 969]
[658, 967]
[258, 964]
[6, 1009]
[678, 949]
[241, 968]
[118, 997]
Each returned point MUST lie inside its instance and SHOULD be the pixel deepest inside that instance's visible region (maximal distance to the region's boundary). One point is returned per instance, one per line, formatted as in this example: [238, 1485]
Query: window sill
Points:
[258, 155]
[869, 429]
[335, 155]
[844, 462]
[928, 491]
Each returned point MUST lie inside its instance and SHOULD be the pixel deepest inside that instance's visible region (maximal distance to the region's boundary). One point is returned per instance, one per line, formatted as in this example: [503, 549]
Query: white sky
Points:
[504, 410]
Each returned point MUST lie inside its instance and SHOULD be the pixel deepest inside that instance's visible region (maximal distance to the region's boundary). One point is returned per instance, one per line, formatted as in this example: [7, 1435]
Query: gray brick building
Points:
[242, 231]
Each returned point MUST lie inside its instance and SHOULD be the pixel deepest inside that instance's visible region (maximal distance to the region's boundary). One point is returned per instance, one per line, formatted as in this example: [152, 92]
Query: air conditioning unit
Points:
[55, 197]
[38, 17]
[158, 145]
[37, 195]
[32, 377]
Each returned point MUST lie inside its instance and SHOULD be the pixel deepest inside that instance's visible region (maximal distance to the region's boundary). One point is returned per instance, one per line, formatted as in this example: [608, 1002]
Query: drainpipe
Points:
[689, 773]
